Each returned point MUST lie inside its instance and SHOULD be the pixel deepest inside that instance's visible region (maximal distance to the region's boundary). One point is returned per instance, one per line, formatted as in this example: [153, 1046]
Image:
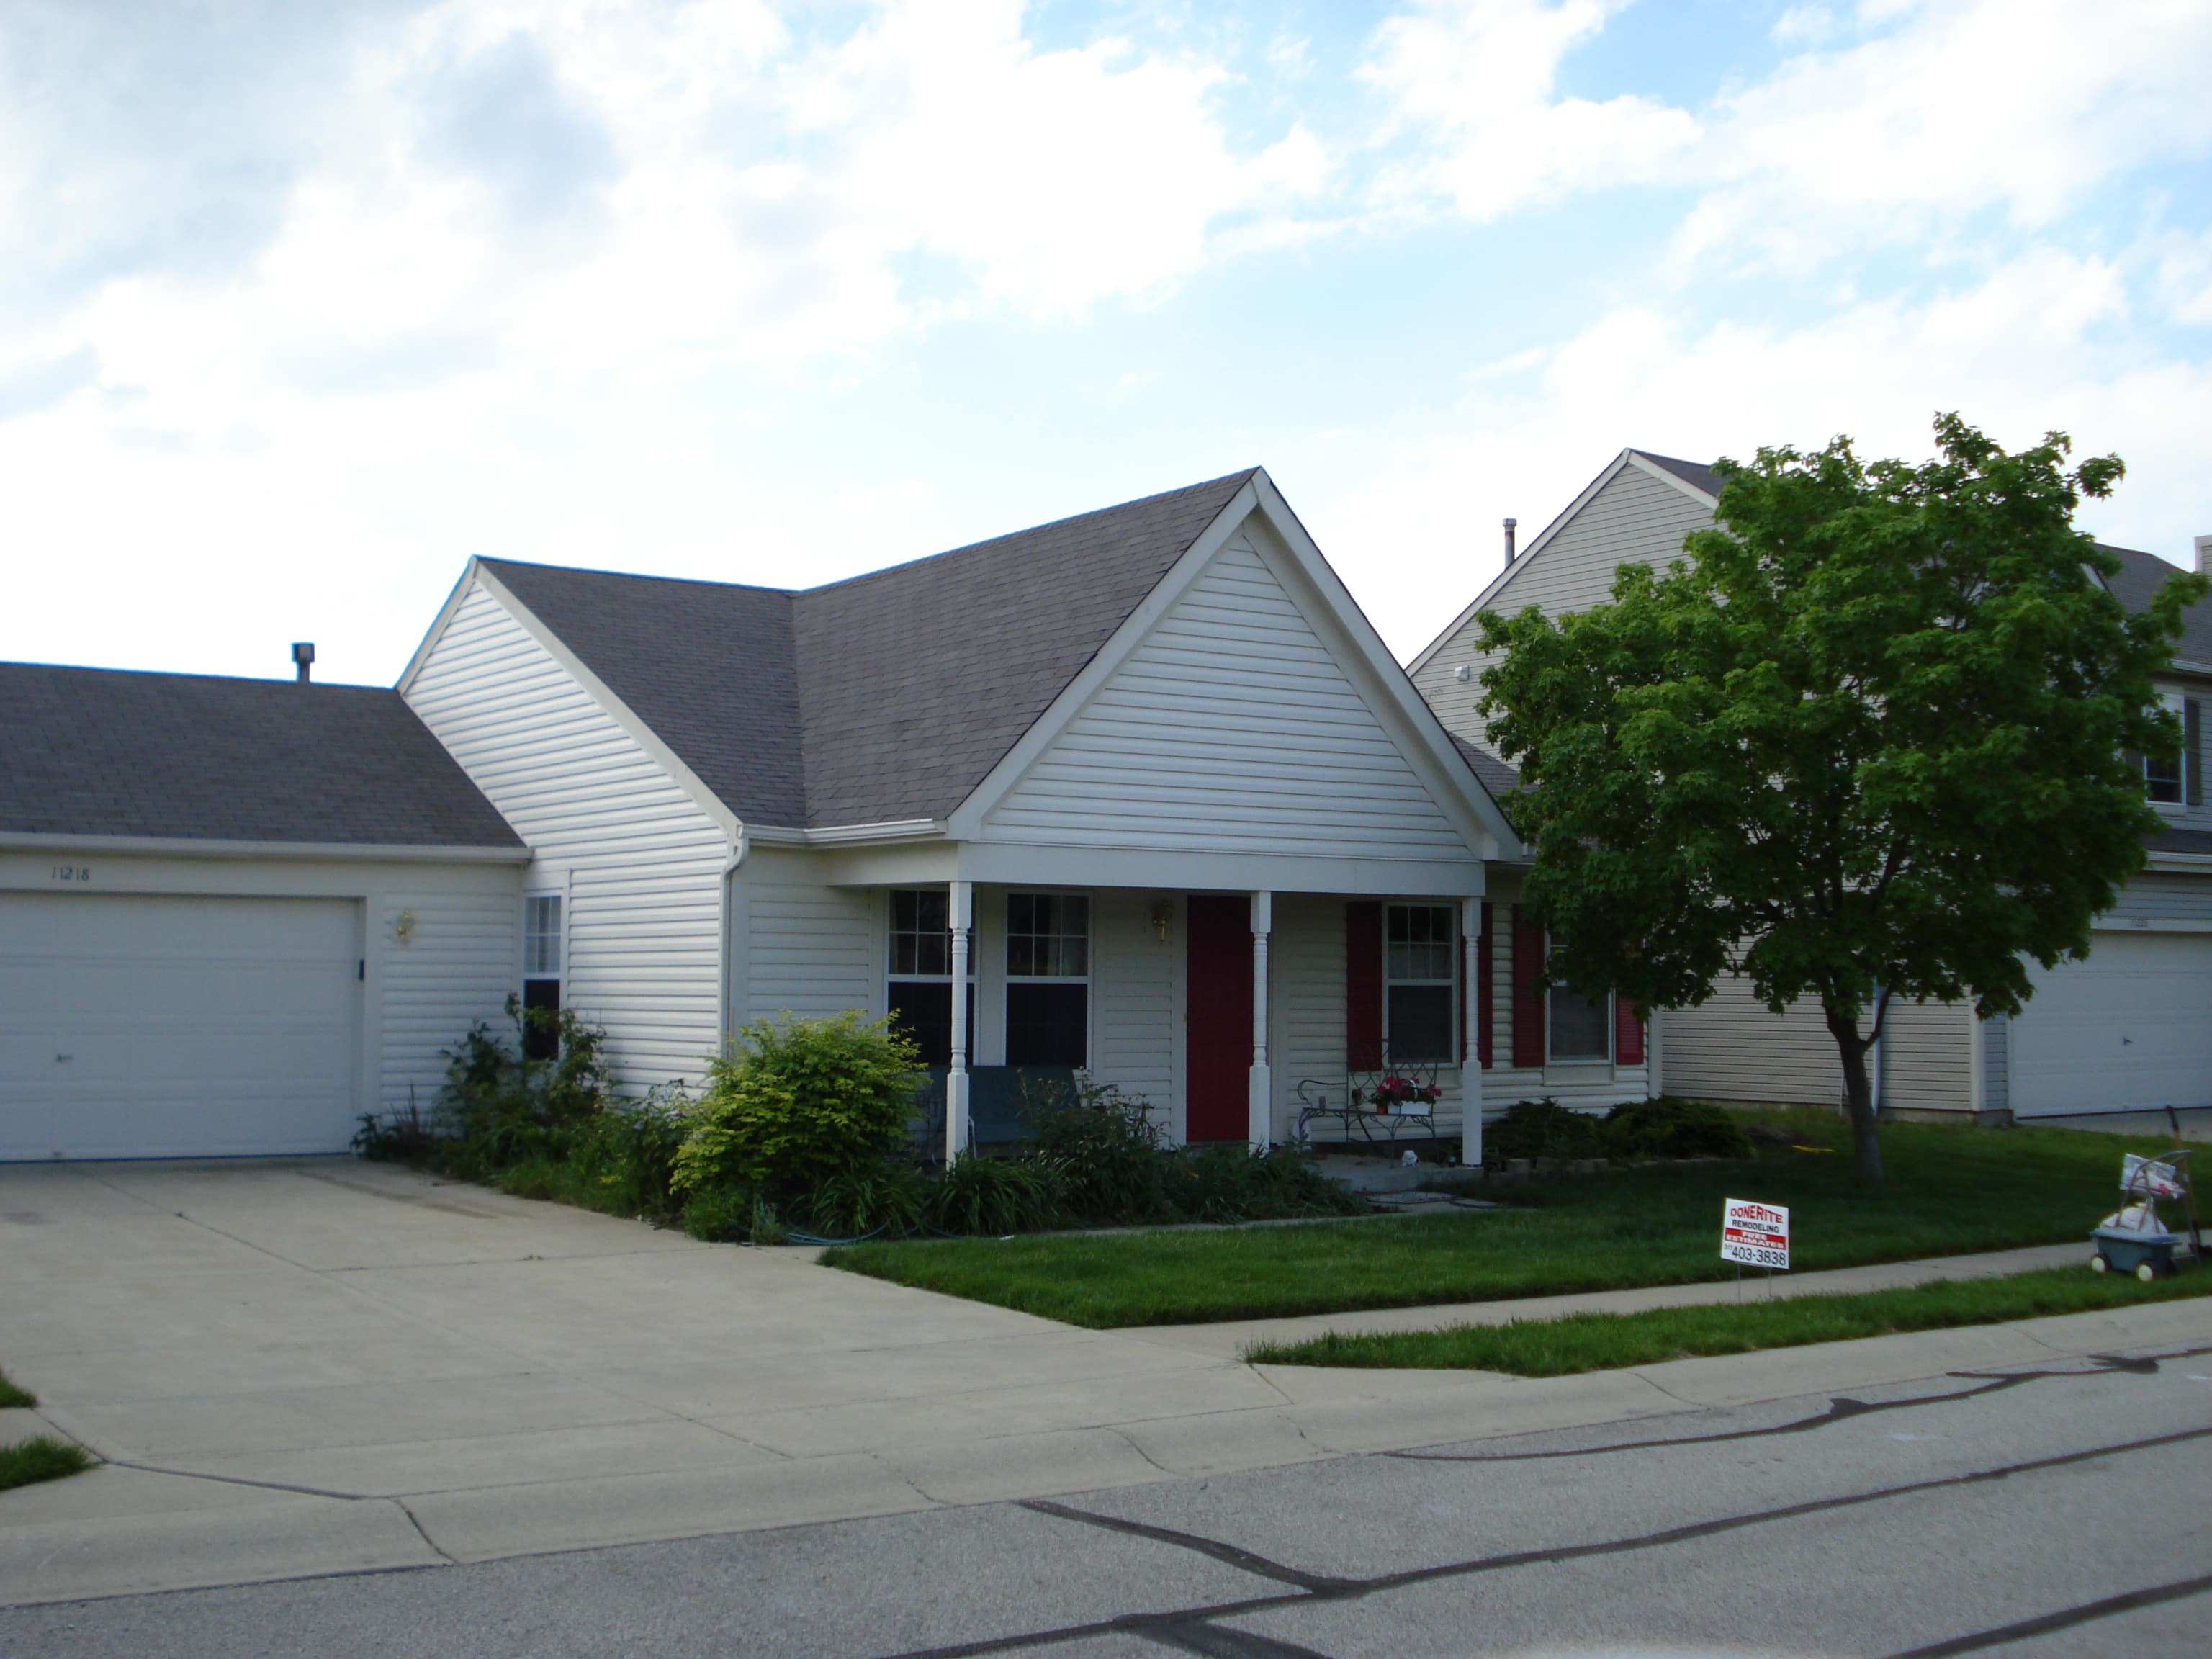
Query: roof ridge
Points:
[1239, 476]
[633, 575]
[191, 674]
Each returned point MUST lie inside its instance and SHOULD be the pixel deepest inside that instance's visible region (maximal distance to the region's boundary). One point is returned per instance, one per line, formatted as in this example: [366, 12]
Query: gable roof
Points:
[1696, 474]
[885, 698]
[107, 751]
[2141, 575]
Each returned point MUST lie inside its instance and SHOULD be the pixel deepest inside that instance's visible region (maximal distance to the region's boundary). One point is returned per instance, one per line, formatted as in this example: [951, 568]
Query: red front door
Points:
[1217, 1083]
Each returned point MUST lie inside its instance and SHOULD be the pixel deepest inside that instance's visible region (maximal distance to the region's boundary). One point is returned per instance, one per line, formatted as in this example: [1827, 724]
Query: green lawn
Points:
[1952, 1191]
[1600, 1342]
[12, 1396]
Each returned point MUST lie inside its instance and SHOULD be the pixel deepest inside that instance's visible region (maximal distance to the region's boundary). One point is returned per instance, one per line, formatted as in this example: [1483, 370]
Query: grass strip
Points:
[12, 1398]
[1606, 1342]
[42, 1457]
[1952, 1191]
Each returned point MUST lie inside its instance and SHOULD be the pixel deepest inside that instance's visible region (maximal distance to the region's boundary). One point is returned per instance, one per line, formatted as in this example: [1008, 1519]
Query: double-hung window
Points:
[1047, 979]
[2163, 773]
[541, 974]
[1582, 1026]
[1420, 982]
[919, 997]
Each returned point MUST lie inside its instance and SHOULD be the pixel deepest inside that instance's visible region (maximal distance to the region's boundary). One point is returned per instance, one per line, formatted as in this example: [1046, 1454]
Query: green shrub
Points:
[500, 1108]
[803, 1100]
[1669, 1126]
[891, 1197]
[995, 1195]
[1234, 1183]
[1107, 1154]
[1541, 1129]
[722, 1216]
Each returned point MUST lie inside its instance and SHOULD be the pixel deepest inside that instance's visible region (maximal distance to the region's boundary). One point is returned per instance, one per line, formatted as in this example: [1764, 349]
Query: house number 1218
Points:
[72, 872]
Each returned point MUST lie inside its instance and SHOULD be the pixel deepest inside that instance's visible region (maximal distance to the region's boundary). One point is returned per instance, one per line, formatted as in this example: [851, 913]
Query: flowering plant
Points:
[1395, 1090]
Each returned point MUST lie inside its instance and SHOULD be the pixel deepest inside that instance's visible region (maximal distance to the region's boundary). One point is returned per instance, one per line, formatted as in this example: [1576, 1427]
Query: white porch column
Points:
[962, 908]
[1259, 1106]
[1470, 1087]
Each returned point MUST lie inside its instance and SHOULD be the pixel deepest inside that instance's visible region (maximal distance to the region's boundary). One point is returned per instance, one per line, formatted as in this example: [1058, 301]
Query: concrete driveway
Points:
[323, 1366]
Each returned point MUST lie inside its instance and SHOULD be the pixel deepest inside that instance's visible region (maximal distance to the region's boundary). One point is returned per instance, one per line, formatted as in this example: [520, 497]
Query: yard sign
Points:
[1757, 1235]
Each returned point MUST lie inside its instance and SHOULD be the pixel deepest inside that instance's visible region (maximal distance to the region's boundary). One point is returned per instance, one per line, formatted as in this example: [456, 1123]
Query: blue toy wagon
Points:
[2135, 1239]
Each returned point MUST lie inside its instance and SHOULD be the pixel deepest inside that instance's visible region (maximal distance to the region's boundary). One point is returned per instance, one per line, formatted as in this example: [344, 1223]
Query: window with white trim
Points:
[2162, 774]
[1420, 982]
[1581, 1027]
[541, 974]
[919, 996]
[1047, 979]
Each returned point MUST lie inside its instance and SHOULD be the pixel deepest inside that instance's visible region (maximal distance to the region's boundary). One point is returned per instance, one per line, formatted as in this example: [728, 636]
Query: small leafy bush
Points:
[401, 1138]
[1234, 1183]
[1669, 1126]
[891, 1197]
[802, 1100]
[721, 1216]
[1541, 1129]
[499, 1107]
[996, 1195]
[1107, 1155]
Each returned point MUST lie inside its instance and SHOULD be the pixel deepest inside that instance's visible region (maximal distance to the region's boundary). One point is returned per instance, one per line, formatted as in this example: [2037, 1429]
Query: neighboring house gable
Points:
[1636, 511]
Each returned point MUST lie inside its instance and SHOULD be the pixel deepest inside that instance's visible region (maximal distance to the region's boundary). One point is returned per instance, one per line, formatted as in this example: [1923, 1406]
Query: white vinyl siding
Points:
[458, 966]
[1996, 1064]
[2155, 896]
[1634, 519]
[810, 949]
[641, 861]
[1730, 1048]
[1927, 1057]
[1136, 999]
[1229, 728]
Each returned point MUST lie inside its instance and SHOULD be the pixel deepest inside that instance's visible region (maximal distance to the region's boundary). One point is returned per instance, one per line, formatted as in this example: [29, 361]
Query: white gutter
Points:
[845, 835]
[210, 847]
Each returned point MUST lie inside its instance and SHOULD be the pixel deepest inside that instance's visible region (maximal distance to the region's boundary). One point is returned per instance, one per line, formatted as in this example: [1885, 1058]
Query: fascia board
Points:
[1527, 556]
[437, 629]
[645, 738]
[965, 821]
[210, 847]
[1481, 817]
[1654, 469]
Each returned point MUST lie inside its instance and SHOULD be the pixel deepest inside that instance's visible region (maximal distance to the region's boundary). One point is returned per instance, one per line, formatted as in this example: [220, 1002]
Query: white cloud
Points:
[2018, 354]
[1472, 80]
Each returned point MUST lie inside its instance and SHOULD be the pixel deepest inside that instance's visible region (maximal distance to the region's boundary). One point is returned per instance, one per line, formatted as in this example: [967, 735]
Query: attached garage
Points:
[154, 1025]
[2130, 1030]
[234, 915]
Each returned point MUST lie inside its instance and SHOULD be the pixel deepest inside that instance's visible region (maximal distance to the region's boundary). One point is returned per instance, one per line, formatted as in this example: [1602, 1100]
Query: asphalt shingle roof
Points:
[889, 696]
[1694, 473]
[2141, 575]
[106, 752]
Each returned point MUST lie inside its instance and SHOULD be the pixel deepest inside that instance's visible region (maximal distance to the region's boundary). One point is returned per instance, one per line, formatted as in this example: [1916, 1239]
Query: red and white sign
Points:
[1757, 1235]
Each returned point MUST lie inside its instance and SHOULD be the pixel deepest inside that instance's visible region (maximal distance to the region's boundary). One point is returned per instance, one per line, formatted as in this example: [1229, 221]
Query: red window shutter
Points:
[1485, 1000]
[1527, 995]
[1362, 986]
[1627, 1033]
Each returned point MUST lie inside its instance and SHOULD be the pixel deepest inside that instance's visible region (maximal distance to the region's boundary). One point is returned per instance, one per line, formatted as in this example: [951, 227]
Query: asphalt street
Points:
[2048, 1511]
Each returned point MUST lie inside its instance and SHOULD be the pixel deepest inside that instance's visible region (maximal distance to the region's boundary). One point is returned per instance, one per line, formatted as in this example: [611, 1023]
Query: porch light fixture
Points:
[403, 926]
[1163, 914]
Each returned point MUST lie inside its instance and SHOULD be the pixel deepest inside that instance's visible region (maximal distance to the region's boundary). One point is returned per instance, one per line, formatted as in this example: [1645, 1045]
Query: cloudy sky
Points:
[303, 305]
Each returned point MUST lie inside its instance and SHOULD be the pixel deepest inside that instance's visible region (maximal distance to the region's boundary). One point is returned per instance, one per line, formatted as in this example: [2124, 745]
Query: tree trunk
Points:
[1859, 1098]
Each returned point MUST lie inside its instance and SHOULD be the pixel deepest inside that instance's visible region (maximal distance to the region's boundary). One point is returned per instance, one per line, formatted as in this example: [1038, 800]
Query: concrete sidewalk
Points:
[323, 1366]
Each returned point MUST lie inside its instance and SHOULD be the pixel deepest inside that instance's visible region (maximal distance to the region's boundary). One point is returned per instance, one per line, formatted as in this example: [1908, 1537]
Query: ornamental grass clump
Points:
[798, 1103]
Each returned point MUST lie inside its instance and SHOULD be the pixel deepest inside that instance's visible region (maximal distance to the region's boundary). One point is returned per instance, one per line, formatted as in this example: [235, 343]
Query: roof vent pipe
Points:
[303, 658]
[1509, 525]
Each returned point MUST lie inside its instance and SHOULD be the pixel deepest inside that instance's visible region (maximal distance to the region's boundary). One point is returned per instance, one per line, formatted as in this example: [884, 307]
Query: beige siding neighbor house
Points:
[2128, 1030]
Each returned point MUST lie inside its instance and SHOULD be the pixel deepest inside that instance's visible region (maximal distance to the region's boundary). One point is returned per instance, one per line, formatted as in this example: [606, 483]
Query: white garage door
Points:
[2130, 1030]
[144, 1027]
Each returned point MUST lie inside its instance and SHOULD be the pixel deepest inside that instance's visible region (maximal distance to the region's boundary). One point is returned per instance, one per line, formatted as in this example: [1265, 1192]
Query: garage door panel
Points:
[2130, 1030]
[193, 1027]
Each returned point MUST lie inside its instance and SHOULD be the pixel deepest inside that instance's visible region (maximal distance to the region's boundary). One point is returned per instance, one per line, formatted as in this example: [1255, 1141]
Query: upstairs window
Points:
[1047, 979]
[1420, 982]
[2163, 773]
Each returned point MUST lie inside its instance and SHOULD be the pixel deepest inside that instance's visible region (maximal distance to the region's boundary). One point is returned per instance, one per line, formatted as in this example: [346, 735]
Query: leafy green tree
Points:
[1869, 740]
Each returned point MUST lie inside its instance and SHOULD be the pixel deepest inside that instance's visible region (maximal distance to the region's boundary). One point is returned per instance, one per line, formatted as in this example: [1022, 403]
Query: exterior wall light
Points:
[1163, 914]
[403, 926]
